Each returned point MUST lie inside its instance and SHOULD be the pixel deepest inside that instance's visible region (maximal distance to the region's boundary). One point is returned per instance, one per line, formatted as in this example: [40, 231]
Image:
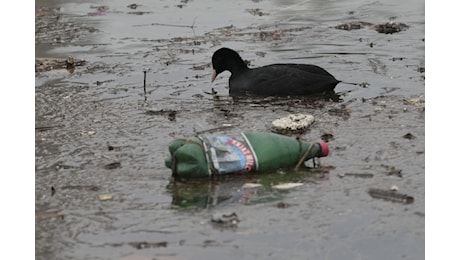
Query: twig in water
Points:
[145, 80]
[171, 25]
[145, 77]
[45, 128]
[177, 25]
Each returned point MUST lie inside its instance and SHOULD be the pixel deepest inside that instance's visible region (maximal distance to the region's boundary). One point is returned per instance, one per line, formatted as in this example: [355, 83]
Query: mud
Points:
[101, 134]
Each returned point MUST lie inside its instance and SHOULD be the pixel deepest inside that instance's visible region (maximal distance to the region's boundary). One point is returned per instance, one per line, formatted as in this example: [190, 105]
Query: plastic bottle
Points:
[248, 152]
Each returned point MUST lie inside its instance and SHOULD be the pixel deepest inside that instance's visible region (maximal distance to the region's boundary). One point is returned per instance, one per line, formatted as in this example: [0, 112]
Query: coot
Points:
[271, 80]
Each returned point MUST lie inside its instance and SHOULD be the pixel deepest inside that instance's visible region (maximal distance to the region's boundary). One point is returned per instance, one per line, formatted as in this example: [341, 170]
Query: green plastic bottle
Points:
[244, 153]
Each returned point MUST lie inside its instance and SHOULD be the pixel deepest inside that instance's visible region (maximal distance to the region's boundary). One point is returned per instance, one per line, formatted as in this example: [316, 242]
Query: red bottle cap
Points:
[324, 149]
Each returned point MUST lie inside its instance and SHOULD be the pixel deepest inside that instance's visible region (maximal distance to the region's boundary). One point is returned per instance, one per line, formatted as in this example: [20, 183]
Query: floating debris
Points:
[256, 12]
[397, 58]
[353, 26]
[47, 215]
[143, 245]
[81, 187]
[287, 186]
[103, 197]
[409, 136]
[170, 114]
[225, 219]
[342, 112]
[357, 175]
[70, 63]
[112, 166]
[46, 128]
[113, 148]
[327, 137]
[269, 36]
[251, 185]
[283, 205]
[133, 6]
[206, 156]
[391, 170]
[294, 123]
[364, 84]
[88, 132]
[387, 28]
[390, 195]
[139, 13]
[47, 64]
[100, 8]
[394, 188]
[415, 101]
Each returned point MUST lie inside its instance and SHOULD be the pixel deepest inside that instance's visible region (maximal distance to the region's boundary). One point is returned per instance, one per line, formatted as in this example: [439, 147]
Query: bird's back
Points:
[283, 79]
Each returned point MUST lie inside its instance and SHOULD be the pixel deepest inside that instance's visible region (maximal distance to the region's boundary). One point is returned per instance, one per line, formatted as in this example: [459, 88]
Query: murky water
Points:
[99, 114]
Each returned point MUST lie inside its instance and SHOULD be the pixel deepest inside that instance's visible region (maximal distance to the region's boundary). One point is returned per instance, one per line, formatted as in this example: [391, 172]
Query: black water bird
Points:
[271, 80]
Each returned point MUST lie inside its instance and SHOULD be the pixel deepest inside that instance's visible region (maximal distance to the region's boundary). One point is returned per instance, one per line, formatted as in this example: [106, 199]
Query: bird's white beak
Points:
[213, 75]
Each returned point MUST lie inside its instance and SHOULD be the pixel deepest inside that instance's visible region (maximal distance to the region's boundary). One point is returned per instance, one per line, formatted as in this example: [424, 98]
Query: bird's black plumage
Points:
[271, 80]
